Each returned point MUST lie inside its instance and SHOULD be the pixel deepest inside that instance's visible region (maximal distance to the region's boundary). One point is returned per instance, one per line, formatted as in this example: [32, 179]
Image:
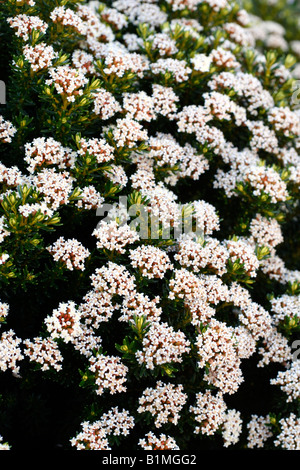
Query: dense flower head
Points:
[209, 412]
[232, 427]
[162, 345]
[45, 352]
[284, 306]
[90, 198]
[70, 252]
[114, 237]
[55, 185]
[289, 381]
[87, 341]
[266, 232]
[105, 104]
[114, 279]
[96, 147]
[162, 442]
[258, 431]
[288, 438]
[92, 437]
[110, 373]
[137, 304]
[40, 56]
[67, 17]
[164, 402]
[96, 307]
[67, 81]
[96, 435]
[11, 352]
[24, 25]
[64, 322]
[211, 254]
[216, 350]
[151, 261]
[117, 422]
[7, 130]
[42, 151]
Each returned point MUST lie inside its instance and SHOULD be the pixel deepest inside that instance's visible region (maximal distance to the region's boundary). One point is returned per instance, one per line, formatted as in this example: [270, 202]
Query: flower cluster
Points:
[70, 252]
[92, 437]
[7, 130]
[96, 435]
[24, 25]
[67, 81]
[288, 438]
[163, 442]
[258, 431]
[67, 17]
[114, 237]
[11, 352]
[209, 412]
[289, 381]
[110, 373]
[64, 322]
[40, 56]
[151, 261]
[42, 151]
[216, 349]
[45, 352]
[162, 345]
[164, 402]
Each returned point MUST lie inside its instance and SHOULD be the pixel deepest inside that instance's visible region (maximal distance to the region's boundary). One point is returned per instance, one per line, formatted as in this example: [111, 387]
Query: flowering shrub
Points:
[149, 229]
[275, 23]
[275, 26]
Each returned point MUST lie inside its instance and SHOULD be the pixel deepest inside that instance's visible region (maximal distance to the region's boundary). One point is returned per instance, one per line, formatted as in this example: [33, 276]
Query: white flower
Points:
[201, 62]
